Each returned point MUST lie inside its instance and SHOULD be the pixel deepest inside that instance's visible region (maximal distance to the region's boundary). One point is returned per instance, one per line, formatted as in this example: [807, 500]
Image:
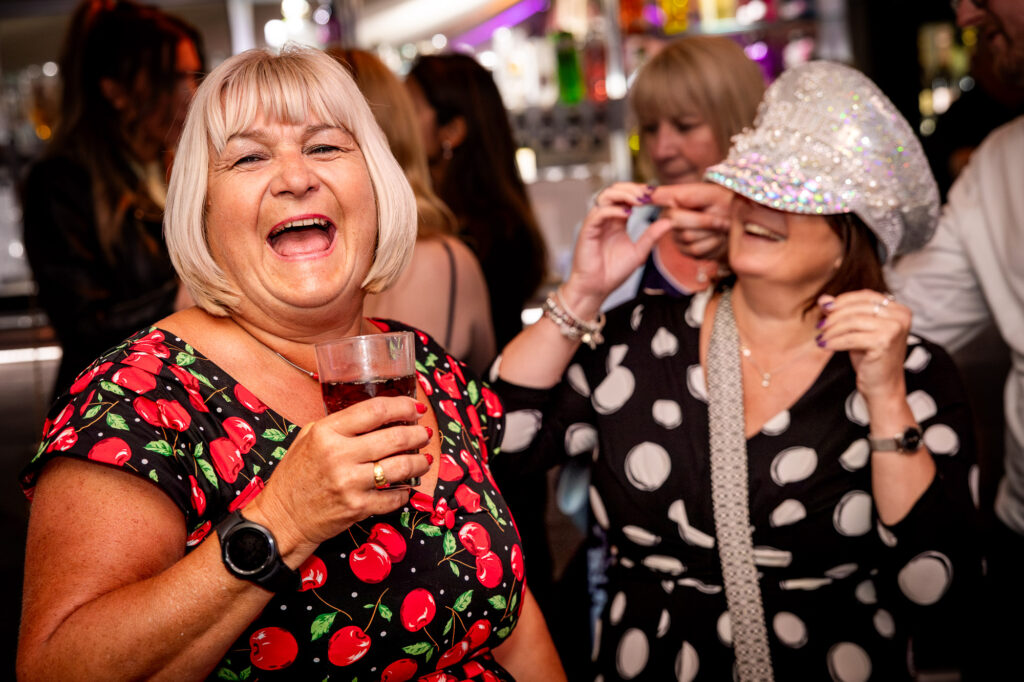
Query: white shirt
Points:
[971, 272]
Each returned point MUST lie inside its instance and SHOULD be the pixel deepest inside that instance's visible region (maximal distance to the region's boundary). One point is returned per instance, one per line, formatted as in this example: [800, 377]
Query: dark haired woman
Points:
[781, 470]
[471, 152]
[93, 204]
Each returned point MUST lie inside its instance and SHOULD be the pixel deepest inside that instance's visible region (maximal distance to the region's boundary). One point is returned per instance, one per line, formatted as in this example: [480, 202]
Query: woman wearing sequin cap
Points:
[782, 470]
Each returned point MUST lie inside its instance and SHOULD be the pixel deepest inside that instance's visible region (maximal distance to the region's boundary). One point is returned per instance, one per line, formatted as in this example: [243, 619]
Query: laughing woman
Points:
[781, 470]
[196, 515]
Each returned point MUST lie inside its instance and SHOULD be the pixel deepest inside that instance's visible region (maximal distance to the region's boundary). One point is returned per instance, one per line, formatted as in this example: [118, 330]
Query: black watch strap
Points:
[249, 551]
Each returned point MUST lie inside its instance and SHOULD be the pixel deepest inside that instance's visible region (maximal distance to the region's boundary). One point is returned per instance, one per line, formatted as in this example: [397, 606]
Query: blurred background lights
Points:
[294, 9]
[439, 41]
[50, 69]
[275, 32]
[321, 15]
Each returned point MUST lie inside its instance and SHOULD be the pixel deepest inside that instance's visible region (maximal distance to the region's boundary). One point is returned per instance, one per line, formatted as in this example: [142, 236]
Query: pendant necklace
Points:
[766, 376]
[311, 375]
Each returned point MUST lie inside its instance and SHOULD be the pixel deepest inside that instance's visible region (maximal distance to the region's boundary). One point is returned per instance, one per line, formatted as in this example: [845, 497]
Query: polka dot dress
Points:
[842, 591]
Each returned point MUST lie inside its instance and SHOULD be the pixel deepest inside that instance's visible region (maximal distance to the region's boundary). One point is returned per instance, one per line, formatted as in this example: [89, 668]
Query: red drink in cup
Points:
[357, 368]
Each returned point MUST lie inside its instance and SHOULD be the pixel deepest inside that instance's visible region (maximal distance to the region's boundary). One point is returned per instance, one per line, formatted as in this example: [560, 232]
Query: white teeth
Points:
[304, 222]
[759, 231]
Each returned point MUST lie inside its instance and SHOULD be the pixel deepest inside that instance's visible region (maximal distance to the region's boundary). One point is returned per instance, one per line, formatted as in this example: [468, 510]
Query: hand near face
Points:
[873, 328]
[325, 482]
[698, 214]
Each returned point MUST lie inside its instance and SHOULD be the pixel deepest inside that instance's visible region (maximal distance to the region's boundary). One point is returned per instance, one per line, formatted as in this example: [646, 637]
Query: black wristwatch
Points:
[906, 442]
[249, 551]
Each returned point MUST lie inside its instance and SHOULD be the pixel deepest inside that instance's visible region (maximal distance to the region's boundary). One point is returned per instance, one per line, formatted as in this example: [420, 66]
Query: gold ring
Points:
[380, 481]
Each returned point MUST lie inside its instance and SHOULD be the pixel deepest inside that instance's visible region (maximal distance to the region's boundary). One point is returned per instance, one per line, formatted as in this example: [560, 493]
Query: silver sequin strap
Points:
[730, 500]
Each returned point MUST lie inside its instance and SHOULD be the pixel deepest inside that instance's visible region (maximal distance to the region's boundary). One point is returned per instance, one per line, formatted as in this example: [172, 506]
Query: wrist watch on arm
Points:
[904, 443]
[249, 551]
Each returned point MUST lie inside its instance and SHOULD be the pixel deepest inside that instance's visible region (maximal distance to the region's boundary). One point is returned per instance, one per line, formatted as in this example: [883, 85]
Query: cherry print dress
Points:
[842, 592]
[422, 593]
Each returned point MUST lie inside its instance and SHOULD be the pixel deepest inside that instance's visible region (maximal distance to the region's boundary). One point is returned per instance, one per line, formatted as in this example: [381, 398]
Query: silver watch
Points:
[906, 442]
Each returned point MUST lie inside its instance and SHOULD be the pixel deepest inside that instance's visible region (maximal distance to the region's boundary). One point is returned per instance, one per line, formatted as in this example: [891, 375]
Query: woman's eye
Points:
[322, 149]
[684, 126]
[247, 159]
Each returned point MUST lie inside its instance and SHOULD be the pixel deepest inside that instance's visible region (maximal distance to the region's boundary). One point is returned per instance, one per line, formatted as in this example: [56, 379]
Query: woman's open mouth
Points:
[763, 232]
[302, 237]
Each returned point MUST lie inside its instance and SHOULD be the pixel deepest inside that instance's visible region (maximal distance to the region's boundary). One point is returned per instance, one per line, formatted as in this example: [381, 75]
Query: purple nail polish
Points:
[828, 305]
[821, 323]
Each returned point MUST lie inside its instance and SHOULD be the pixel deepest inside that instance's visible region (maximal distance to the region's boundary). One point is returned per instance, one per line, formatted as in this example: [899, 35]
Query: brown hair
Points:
[861, 266]
[393, 108]
[707, 76]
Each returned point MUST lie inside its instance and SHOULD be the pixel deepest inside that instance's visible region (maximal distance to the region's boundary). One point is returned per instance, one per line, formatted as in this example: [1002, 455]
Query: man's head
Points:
[1000, 24]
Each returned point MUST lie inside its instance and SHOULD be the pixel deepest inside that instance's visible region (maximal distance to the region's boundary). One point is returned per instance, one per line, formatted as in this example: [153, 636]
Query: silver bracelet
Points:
[571, 326]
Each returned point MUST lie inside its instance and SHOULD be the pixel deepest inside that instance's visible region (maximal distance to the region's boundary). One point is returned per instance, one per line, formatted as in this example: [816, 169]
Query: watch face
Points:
[911, 440]
[249, 549]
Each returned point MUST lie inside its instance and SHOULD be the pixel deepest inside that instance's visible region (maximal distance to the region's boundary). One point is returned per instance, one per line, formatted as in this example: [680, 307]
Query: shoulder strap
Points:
[730, 498]
[451, 293]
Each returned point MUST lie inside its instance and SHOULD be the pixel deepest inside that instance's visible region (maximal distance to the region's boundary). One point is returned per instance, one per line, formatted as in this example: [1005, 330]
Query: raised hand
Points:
[698, 214]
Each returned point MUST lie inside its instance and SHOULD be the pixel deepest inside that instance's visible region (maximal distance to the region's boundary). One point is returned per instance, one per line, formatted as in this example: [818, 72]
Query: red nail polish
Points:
[430, 457]
[430, 431]
[421, 408]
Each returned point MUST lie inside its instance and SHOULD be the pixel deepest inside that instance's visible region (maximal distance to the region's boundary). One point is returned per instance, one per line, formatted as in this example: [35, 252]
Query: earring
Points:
[446, 150]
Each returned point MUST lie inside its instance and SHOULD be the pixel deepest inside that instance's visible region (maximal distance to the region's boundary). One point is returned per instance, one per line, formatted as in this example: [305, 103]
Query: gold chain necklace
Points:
[766, 376]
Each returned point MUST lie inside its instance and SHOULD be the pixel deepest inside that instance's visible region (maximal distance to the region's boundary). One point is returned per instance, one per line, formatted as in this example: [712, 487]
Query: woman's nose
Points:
[294, 175]
[663, 143]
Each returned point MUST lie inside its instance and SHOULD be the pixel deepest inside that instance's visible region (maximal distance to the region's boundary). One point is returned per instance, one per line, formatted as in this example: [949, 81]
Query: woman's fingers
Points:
[631, 193]
[368, 415]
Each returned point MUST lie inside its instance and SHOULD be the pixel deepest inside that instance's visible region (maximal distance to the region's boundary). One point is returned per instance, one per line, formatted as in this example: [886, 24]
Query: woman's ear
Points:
[453, 133]
[114, 93]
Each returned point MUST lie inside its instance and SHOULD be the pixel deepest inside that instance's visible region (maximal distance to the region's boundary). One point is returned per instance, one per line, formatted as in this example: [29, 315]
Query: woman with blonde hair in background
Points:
[688, 100]
[460, 319]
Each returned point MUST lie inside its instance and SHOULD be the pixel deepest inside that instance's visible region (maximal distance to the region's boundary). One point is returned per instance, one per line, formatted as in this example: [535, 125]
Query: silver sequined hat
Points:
[827, 141]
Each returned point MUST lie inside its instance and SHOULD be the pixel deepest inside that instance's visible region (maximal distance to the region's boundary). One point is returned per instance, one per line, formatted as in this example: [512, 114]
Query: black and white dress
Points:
[842, 591]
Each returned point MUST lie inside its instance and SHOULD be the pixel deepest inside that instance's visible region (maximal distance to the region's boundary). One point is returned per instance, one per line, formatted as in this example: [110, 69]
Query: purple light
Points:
[756, 51]
[516, 14]
[654, 15]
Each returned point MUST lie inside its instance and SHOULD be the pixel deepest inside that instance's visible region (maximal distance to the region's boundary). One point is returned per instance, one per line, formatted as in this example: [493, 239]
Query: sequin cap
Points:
[827, 141]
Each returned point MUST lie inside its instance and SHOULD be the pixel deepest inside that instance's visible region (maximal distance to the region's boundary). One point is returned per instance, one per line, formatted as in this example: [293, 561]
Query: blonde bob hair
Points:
[396, 114]
[291, 87]
[709, 77]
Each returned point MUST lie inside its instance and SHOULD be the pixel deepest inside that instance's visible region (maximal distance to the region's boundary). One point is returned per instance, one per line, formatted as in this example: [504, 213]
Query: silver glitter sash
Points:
[730, 500]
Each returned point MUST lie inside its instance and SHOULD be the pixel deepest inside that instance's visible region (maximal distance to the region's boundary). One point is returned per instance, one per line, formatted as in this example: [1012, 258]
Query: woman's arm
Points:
[528, 653]
[109, 591]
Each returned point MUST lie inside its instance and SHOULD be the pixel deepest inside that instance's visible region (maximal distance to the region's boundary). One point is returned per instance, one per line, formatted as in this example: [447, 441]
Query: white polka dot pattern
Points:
[640, 536]
[724, 629]
[793, 464]
[777, 425]
[580, 438]
[852, 516]
[521, 427]
[631, 656]
[918, 359]
[667, 413]
[578, 380]
[941, 440]
[693, 536]
[696, 383]
[687, 663]
[856, 456]
[922, 406]
[647, 466]
[664, 622]
[788, 512]
[790, 630]
[597, 508]
[884, 623]
[926, 578]
[617, 608]
[848, 662]
[636, 317]
[664, 344]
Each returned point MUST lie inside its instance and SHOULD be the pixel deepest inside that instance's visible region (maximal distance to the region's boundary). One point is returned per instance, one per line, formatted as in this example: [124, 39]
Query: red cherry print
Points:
[389, 539]
[111, 451]
[492, 402]
[272, 649]
[370, 563]
[418, 609]
[424, 339]
[85, 404]
[472, 668]
[198, 496]
[442, 515]
[64, 441]
[490, 677]
[475, 472]
[446, 380]
[173, 415]
[155, 336]
[86, 377]
[186, 378]
[240, 433]
[517, 562]
[422, 502]
[226, 459]
[400, 671]
[468, 499]
[437, 677]
[61, 419]
[196, 399]
[448, 407]
[456, 369]
[251, 402]
[196, 536]
[144, 361]
[488, 569]
[474, 420]
[134, 379]
[152, 347]
[424, 384]
[313, 572]
[379, 324]
[248, 493]
[453, 655]
[148, 410]
[478, 633]
[475, 538]
[449, 469]
[347, 645]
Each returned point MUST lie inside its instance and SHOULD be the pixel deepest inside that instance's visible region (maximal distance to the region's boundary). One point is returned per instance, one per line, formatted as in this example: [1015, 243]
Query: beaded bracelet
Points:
[570, 325]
